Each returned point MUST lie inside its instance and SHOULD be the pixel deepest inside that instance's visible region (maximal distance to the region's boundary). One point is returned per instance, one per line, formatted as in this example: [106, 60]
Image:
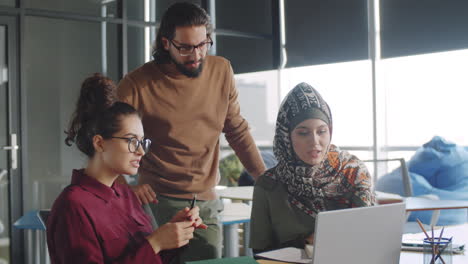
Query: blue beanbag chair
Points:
[443, 164]
[439, 167]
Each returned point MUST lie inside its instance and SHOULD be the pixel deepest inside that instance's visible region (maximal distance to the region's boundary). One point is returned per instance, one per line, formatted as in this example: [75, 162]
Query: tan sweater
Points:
[184, 118]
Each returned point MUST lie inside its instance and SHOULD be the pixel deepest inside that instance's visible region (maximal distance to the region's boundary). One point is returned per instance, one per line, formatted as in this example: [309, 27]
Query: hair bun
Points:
[97, 94]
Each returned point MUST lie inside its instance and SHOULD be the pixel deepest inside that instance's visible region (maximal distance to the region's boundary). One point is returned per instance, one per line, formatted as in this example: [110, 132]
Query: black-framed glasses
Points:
[187, 50]
[134, 143]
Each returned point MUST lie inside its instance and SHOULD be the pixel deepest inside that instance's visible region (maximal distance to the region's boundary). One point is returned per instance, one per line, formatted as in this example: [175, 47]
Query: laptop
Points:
[365, 235]
[359, 235]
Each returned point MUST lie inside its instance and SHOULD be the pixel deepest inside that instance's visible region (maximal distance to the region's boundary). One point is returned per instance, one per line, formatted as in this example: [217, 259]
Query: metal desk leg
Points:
[30, 251]
[44, 250]
[47, 258]
[43, 247]
[37, 246]
[231, 241]
[247, 249]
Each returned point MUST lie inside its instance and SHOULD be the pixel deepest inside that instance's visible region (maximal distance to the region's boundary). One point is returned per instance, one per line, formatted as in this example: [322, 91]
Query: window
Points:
[346, 87]
[140, 42]
[105, 8]
[423, 26]
[426, 96]
[325, 31]
[58, 56]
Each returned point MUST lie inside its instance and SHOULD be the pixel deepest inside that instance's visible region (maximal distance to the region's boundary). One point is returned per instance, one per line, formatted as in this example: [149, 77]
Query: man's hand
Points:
[144, 193]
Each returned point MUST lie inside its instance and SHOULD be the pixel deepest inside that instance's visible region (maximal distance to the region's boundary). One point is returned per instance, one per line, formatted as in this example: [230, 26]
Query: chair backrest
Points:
[407, 186]
[43, 216]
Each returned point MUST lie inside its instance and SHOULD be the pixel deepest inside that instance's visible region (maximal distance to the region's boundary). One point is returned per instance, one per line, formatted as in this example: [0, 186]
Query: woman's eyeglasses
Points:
[134, 143]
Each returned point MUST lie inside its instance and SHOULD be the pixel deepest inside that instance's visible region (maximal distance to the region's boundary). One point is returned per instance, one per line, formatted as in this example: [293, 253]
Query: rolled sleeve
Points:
[237, 132]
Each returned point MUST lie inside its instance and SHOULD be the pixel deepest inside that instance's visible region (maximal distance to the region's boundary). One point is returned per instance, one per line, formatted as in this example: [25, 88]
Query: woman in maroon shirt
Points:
[95, 219]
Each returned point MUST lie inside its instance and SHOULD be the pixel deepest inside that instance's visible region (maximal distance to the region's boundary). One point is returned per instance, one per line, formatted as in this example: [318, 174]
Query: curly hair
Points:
[97, 113]
[178, 15]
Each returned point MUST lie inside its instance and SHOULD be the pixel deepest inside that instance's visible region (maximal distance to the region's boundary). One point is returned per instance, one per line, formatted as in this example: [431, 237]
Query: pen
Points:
[422, 227]
[441, 232]
[442, 250]
[433, 245]
[192, 204]
[438, 242]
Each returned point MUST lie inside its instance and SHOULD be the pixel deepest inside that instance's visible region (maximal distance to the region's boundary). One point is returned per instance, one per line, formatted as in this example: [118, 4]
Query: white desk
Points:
[33, 223]
[421, 204]
[234, 212]
[460, 236]
[244, 193]
[233, 215]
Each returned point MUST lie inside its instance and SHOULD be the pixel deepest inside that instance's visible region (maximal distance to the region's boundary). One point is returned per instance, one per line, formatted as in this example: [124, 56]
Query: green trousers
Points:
[206, 244]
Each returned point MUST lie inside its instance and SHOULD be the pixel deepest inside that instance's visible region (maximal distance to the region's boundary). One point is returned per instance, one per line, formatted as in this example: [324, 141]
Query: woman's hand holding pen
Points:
[178, 231]
[190, 215]
[171, 235]
[144, 193]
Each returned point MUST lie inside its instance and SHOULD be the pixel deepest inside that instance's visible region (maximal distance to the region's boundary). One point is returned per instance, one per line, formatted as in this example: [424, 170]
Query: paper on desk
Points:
[386, 198]
[457, 232]
[289, 254]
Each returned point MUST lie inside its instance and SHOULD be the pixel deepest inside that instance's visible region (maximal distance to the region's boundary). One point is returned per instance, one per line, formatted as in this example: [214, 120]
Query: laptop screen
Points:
[359, 235]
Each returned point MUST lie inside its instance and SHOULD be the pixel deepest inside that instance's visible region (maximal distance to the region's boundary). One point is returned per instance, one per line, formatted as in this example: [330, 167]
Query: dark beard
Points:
[189, 73]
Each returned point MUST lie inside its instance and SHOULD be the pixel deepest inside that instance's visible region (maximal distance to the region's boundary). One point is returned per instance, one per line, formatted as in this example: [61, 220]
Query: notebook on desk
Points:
[358, 235]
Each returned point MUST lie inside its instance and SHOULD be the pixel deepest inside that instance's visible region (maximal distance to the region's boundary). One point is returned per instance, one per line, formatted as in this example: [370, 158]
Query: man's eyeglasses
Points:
[134, 143]
[187, 50]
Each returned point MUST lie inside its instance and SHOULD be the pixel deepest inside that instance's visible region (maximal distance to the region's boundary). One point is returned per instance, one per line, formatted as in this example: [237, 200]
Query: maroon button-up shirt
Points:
[93, 223]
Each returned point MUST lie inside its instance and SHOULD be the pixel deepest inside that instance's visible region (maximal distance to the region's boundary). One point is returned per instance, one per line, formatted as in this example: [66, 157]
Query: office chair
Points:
[408, 192]
[43, 216]
[407, 186]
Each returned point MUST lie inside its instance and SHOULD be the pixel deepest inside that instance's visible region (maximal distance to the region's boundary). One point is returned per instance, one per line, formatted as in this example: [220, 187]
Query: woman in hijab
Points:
[312, 175]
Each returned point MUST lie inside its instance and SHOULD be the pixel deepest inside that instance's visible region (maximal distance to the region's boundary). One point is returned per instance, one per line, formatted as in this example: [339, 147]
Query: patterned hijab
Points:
[310, 187]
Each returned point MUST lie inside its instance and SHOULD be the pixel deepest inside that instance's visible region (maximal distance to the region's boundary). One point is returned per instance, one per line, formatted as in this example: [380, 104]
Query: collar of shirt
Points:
[94, 186]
